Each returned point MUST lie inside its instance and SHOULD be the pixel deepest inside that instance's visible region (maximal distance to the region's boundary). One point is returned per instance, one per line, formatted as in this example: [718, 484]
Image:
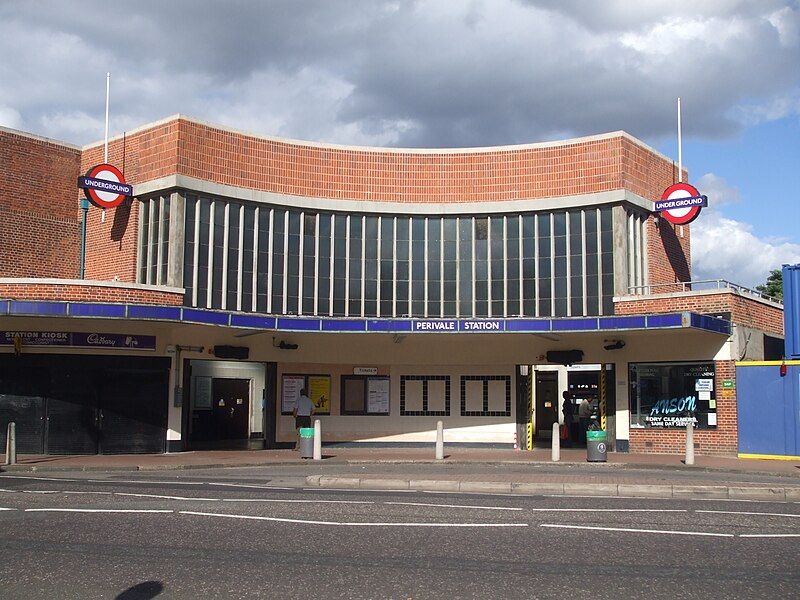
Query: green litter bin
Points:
[596, 448]
[306, 442]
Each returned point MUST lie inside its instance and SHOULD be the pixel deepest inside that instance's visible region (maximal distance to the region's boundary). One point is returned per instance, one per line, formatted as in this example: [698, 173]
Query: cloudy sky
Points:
[446, 74]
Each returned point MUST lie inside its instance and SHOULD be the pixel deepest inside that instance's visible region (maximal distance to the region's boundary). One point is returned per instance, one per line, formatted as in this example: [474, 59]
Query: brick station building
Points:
[398, 287]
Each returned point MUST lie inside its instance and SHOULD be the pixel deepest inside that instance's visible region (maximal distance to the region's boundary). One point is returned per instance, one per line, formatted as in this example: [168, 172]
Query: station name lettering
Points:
[435, 326]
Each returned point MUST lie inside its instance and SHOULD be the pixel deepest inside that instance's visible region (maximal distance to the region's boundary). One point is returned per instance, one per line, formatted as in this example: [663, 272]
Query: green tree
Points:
[774, 285]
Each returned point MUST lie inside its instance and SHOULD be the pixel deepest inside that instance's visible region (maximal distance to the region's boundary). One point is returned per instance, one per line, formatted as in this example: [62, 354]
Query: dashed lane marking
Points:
[611, 510]
[770, 535]
[763, 514]
[1, 508]
[630, 530]
[452, 505]
[98, 510]
[351, 524]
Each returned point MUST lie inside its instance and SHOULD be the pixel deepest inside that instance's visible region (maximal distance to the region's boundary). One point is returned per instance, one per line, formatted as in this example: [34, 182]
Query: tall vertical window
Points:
[481, 267]
[418, 266]
[386, 257]
[403, 270]
[324, 264]
[309, 262]
[355, 263]
[370, 267]
[434, 259]
[450, 266]
[512, 265]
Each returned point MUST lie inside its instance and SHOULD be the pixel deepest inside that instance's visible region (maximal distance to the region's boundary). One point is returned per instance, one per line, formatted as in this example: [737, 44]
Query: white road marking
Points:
[141, 481]
[297, 501]
[166, 497]
[660, 498]
[255, 487]
[347, 524]
[733, 512]
[39, 491]
[97, 510]
[1, 508]
[39, 478]
[629, 530]
[97, 493]
[611, 510]
[452, 505]
[769, 535]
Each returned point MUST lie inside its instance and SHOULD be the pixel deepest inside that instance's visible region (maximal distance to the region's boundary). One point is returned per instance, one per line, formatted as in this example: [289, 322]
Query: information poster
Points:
[319, 391]
[202, 393]
[290, 392]
[378, 396]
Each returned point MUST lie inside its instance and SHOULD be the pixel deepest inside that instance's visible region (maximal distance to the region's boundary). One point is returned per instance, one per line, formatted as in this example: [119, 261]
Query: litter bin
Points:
[596, 449]
[306, 442]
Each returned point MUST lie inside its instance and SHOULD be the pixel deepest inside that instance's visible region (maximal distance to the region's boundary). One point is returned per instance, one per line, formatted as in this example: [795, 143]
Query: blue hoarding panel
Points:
[528, 325]
[574, 324]
[791, 310]
[768, 410]
[253, 321]
[205, 316]
[344, 325]
[632, 322]
[97, 310]
[389, 325]
[162, 313]
[673, 320]
[51, 309]
[298, 324]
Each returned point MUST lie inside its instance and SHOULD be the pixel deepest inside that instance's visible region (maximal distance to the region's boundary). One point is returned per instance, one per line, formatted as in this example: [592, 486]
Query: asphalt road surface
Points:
[137, 536]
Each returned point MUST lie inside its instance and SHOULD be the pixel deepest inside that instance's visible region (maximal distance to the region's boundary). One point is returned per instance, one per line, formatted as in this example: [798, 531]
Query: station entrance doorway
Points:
[226, 408]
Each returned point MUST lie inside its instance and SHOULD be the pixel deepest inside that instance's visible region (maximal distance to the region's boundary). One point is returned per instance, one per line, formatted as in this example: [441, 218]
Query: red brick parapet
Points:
[76, 290]
[749, 311]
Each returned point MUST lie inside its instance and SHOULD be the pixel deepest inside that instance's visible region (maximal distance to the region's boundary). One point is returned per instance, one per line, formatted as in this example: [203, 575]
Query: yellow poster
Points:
[319, 391]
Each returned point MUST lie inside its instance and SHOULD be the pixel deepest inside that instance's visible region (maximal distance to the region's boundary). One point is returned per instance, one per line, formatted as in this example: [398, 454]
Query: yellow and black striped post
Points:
[529, 442]
[603, 409]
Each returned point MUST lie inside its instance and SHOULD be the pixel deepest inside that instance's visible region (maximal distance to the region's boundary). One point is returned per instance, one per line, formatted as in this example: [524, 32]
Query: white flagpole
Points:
[680, 149]
[108, 89]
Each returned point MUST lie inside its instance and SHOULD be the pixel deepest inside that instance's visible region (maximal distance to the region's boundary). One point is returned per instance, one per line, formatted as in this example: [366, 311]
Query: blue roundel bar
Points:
[237, 320]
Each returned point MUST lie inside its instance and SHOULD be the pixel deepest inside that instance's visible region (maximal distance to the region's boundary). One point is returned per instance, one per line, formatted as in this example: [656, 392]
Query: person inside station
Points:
[585, 411]
[568, 408]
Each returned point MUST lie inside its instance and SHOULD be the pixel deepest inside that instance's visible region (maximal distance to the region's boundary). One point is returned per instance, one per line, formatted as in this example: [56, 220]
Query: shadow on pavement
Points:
[142, 591]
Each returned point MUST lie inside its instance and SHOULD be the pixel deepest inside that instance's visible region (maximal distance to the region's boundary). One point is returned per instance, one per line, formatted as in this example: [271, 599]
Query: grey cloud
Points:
[390, 73]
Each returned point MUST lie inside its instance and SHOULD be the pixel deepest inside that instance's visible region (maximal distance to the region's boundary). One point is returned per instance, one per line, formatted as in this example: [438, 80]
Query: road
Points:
[132, 535]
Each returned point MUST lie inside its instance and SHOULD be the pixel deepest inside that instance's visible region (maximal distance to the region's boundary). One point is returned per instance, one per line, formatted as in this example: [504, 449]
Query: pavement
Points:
[465, 470]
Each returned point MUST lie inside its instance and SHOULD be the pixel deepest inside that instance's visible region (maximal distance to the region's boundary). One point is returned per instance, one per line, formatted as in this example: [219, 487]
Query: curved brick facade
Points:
[87, 291]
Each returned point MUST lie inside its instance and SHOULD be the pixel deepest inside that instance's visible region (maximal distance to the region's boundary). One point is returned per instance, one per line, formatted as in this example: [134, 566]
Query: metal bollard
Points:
[11, 444]
[555, 452]
[689, 460]
[317, 440]
[439, 440]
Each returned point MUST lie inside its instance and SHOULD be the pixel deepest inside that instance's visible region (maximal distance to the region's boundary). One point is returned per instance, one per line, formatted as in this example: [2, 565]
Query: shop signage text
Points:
[673, 412]
[112, 341]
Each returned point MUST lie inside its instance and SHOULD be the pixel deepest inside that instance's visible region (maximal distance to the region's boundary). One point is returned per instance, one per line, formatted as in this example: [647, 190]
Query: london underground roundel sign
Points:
[680, 203]
[104, 186]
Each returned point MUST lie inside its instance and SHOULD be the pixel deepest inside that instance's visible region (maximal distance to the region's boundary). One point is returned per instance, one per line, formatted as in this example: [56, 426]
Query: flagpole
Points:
[680, 149]
[108, 89]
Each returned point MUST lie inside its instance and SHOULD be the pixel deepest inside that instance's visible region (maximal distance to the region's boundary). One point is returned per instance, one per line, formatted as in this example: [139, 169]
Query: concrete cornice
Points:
[208, 188]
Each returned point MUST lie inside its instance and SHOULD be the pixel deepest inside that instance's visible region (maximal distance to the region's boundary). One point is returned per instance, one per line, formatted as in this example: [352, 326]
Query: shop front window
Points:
[667, 395]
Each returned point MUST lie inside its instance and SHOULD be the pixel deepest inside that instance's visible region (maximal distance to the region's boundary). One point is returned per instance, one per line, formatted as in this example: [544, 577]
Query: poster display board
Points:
[290, 392]
[378, 396]
[318, 388]
[319, 391]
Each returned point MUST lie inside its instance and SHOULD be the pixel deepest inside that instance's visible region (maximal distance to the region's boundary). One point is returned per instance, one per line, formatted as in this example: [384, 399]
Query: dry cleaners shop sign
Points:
[680, 203]
[104, 186]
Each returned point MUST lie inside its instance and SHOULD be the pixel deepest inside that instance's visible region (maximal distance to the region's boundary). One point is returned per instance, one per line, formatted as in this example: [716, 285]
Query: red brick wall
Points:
[142, 156]
[66, 292]
[744, 311]
[39, 233]
[720, 441]
[217, 155]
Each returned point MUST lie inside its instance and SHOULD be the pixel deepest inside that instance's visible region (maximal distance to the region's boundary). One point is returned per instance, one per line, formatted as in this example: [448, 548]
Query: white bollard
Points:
[555, 452]
[317, 440]
[439, 440]
[689, 460]
[11, 444]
